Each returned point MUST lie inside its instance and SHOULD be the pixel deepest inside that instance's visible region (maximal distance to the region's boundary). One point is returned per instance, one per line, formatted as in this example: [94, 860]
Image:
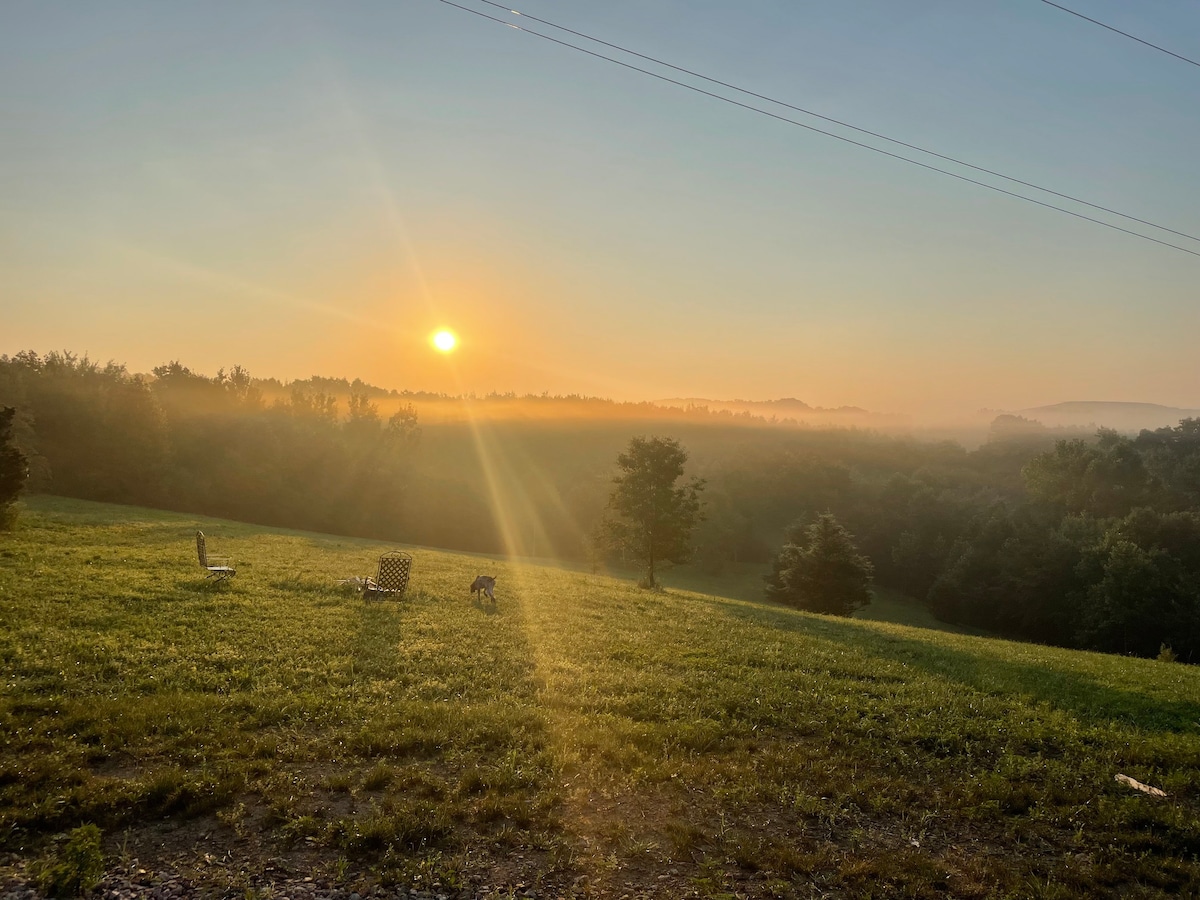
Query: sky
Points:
[316, 188]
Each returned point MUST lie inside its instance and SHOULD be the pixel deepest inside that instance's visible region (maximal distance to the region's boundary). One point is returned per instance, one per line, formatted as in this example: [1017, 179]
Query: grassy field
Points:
[580, 737]
[745, 582]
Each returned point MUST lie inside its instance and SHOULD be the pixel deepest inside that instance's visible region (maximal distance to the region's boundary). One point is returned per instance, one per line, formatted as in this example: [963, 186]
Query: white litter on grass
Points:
[1138, 786]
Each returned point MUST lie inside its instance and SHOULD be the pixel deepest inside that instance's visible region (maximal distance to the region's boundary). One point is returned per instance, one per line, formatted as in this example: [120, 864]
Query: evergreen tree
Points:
[820, 569]
[795, 538]
[13, 467]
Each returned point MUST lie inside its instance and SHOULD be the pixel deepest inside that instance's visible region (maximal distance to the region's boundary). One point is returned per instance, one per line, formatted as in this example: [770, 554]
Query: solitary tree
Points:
[653, 516]
[821, 570]
[13, 467]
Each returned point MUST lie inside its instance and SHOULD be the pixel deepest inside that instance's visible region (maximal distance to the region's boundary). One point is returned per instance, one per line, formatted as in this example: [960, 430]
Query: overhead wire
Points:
[840, 122]
[1132, 37]
[843, 138]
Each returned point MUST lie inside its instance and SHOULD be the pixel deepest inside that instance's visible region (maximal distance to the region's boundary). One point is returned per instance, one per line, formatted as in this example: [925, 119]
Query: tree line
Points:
[1091, 543]
[184, 441]
[1102, 551]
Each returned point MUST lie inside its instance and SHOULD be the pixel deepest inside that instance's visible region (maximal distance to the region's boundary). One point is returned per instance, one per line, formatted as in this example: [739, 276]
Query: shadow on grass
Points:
[487, 607]
[377, 639]
[198, 587]
[1079, 694]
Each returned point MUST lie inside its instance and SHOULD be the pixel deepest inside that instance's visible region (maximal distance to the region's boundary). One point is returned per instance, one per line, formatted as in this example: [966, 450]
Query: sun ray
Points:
[243, 287]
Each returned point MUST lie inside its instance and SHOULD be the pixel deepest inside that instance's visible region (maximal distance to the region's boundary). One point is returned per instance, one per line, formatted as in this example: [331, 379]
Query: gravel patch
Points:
[135, 883]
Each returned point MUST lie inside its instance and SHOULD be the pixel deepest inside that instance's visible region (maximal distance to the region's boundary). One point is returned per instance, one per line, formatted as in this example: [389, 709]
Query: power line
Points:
[1122, 33]
[830, 119]
[798, 124]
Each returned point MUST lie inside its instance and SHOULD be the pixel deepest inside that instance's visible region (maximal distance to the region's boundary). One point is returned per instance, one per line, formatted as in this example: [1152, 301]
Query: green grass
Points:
[900, 609]
[580, 733]
[744, 581]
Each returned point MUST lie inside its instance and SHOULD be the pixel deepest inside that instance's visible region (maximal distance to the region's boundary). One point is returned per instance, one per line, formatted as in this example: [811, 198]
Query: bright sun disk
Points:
[445, 341]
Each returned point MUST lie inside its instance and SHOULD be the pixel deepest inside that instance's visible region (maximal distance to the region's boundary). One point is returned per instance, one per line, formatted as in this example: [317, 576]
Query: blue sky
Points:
[314, 188]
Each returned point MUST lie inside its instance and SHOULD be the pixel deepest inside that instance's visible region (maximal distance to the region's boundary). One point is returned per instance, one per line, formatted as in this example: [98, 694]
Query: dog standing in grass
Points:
[484, 584]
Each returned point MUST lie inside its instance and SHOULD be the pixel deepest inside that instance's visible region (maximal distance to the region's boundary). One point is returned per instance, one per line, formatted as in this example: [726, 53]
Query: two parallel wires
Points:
[812, 128]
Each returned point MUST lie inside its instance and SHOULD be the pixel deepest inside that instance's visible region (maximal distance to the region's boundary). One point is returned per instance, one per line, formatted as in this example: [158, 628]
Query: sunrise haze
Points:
[317, 189]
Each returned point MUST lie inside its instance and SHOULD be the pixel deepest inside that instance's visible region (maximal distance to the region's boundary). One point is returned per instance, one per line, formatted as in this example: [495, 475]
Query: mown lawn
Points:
[580, 736]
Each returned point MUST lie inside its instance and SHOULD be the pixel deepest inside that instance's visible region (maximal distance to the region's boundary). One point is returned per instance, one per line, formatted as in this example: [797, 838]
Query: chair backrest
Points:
[200, 550]
[394, 567]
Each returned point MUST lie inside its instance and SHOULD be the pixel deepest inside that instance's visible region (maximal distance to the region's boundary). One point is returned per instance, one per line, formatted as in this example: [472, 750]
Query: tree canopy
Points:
[13, 467]
[653, 515]
[820, 569]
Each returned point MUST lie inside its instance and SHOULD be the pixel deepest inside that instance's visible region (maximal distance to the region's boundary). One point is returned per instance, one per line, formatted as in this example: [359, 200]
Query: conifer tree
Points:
[820, 569]
[13, 467]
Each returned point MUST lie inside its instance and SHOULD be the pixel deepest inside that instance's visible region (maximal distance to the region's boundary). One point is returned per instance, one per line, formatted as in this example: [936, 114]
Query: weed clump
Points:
[74, 869]
[378, 778]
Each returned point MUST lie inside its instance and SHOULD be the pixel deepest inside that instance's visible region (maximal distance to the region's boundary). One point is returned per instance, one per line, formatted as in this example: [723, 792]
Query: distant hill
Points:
[1128, 417]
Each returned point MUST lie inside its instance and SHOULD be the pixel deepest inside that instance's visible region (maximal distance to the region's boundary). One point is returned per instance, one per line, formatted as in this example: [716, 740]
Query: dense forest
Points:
[1091, 543]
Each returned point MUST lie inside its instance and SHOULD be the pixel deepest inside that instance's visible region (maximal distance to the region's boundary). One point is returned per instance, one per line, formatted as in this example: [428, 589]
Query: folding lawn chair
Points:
[219, 567]
[392, 578]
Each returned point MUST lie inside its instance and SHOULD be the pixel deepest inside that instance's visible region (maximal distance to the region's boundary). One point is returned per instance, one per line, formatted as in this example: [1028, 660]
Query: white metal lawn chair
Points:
[218, 567]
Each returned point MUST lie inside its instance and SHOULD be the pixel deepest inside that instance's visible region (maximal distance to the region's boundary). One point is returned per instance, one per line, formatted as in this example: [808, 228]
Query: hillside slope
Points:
[1124, 417]
[579, 737]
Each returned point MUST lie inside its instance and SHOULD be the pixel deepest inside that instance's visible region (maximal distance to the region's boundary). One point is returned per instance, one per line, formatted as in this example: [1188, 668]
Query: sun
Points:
[445, 341]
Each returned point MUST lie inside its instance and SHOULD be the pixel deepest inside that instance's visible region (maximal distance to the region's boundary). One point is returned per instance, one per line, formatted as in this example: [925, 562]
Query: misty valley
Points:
[637, 650]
